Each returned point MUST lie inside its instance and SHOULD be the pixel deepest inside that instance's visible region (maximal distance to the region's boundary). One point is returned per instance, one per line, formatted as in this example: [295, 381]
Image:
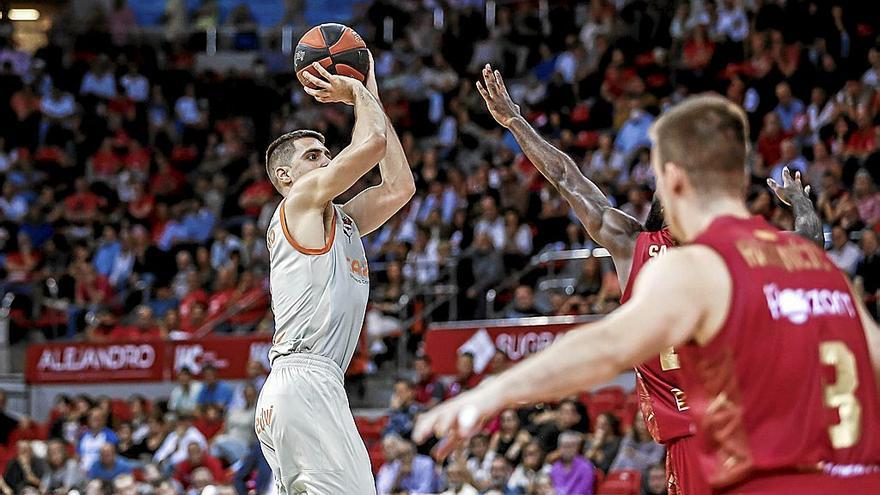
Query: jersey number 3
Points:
[840, 395]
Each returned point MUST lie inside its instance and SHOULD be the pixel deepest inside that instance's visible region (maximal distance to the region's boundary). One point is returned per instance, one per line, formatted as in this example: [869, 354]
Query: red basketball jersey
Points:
[786, 389]
[661, 399]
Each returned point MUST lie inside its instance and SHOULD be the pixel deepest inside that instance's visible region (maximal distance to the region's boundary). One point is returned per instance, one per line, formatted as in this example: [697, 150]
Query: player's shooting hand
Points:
[790, 187]
[457, 420]
[502, 108]
[329, 88]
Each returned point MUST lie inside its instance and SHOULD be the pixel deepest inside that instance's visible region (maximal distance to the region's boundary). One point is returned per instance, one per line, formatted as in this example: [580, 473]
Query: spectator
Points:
[867, 276]
[8, 423]
[604, 444]
[174, 448]
[572, 473]
[510, 439]
[479, 460]
[490, 222]
[135, 84]
[637, 449]
[843, 252]
[127, 448]
[654, 480]
[99, 81]
[570, 415]
[867, 198]
[213, 390]
[406, 471]
[466, 377]
[403, 409]
[25, 469]
[197, 458]
[789, 107]
[499, 477]
[428, 389]
[96, 436]
[486, 269]
[526, 473]
[523, 304]
[210, 421]
[57, 106]
[238, 435]
[184, 396]
[256, 377]
[457, 481]
[108, 465]
[63, 472]
[634, 133]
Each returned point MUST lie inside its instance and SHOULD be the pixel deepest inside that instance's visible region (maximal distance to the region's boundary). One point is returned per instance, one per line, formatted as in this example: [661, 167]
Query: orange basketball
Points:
[338, 48]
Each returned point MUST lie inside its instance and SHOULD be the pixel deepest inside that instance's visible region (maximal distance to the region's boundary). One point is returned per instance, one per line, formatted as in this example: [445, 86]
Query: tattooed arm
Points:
[792, 192]
[610, 227]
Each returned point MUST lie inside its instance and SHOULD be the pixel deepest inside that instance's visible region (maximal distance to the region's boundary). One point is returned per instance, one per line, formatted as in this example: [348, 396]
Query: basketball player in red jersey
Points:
[780, 360]
[661, 398]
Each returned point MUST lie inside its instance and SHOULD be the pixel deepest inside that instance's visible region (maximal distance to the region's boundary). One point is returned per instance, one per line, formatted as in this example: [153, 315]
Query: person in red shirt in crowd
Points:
[104, 164]
[82, 206]
[21, 264]
[195, 295]
[428, 389]
[197, 458]
[249, 300]
[224, 292]
[92, 289]
[141, 207]
[211, 422]
[466, 378]
[101, 327]
[861, 142]
[770, 139]
[698, 50]
[167, 181]
[196, 319]
[137, 160]
[255, 196]
[143, 328]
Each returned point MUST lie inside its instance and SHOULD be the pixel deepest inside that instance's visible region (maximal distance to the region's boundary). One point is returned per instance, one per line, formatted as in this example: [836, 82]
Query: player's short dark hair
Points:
[285, 143]
[707, 136]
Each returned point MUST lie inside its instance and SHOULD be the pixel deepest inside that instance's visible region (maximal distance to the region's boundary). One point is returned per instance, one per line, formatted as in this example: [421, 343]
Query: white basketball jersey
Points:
[319, 296]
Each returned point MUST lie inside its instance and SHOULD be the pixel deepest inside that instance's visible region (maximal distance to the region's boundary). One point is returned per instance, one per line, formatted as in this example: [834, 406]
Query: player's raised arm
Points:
[375, 205]
[610, 227]
[793, 193]
[667, 308]
[367, 146]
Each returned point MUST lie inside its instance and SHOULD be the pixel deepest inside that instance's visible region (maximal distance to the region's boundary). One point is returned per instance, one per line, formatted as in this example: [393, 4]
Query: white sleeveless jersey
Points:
[319, 296]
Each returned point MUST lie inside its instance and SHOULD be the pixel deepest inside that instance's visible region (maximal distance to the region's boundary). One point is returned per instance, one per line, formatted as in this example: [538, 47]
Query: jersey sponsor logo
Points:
[360, 270]
[798, 305]
[657, 250]
[264, 419]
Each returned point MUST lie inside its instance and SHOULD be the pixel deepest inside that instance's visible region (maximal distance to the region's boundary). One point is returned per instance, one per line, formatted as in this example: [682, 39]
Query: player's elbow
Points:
[374, 146]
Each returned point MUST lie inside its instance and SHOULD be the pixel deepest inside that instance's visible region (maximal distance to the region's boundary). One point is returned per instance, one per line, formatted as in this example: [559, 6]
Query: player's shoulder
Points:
[702, 265]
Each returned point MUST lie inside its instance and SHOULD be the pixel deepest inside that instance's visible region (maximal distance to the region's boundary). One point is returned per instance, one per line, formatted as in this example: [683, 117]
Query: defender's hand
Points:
[790, 187]
[458, 419]
[502, 108]
[330, 88]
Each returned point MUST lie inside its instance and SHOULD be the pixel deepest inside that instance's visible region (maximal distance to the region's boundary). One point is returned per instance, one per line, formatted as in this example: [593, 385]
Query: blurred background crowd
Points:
[134, 205]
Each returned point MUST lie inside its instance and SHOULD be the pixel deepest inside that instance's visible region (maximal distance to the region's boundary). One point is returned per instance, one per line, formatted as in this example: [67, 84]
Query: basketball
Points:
[338, 48]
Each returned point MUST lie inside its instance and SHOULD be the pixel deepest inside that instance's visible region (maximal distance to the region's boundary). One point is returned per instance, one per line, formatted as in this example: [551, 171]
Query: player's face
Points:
[310, 154]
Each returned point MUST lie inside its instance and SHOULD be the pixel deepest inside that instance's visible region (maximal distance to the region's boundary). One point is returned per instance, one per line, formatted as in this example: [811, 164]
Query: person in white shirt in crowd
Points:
[223, 246]
[820, 112]
[457, 481]
[256, 377]
[184, 396]
[844, 253]
[732, 21]
[606, 163]
[490, 222]
[872, 75]
[58, 105]
[238, 431]
[135, 84]
[174, 449]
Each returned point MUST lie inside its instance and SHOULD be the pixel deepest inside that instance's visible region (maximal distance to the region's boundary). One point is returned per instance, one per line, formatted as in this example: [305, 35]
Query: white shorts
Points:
[306, 430]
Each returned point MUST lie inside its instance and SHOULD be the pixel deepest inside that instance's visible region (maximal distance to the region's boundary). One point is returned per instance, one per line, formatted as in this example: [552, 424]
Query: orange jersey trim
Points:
[298, 246]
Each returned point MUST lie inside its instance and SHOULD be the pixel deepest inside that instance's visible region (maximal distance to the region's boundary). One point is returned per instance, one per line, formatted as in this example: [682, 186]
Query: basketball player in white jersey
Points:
[320, 282]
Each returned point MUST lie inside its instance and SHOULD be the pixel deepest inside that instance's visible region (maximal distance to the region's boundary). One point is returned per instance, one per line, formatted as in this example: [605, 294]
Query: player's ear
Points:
[675, 177]
[282, 175]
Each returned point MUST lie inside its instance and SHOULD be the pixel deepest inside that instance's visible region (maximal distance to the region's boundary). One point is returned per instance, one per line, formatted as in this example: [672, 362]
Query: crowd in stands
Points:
[133, 202]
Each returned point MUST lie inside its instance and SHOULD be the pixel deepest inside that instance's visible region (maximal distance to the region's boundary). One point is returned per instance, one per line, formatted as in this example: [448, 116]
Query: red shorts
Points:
[683, 474]
[806, 484]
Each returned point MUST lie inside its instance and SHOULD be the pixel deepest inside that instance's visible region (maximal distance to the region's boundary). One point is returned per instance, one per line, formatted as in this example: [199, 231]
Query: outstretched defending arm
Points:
[610, 227]
[373, 207]
[792, 192]
[667, 308]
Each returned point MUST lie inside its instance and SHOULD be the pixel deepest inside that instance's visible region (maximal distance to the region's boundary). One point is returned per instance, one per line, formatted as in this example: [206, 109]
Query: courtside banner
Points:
[515, 337]
[116, 362]
[142, 361]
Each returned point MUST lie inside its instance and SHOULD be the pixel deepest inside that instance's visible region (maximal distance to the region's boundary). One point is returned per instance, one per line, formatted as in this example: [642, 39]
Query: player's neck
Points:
[703, 212]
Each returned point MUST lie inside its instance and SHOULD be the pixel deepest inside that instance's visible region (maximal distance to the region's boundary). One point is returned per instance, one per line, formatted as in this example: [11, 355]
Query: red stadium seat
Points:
[370, 429]
[377, 457]
[120, 410]
[621, 482]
